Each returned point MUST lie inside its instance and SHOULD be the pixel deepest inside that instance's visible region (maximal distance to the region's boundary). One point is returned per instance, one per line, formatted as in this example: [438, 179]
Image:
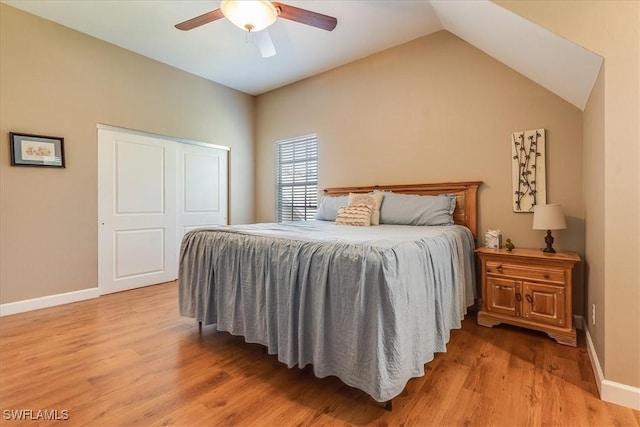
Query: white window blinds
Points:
[297, 178]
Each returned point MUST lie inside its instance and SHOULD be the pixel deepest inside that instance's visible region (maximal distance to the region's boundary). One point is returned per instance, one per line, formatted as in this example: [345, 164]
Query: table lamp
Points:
[548, 217]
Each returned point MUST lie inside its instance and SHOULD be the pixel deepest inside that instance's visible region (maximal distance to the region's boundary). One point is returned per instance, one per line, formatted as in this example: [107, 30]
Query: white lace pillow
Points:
[359, 215]
[373, 200]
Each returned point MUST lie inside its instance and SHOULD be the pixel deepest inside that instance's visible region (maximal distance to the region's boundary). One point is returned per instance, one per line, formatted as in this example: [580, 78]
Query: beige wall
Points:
[434, 109]
[593, 191]
[612, 30]
[55, 81]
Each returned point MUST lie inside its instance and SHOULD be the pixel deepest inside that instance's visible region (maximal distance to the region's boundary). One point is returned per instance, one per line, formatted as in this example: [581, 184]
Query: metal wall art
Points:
[528, 169]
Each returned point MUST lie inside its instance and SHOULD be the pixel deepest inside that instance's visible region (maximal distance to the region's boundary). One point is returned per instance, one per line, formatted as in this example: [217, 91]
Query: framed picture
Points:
[36, 150]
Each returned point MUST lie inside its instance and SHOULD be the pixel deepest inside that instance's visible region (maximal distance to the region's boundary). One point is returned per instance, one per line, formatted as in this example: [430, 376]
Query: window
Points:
[297, 178]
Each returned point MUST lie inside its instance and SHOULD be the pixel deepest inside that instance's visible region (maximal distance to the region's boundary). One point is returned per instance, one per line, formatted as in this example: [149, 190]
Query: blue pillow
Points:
[328, 207]
[410, 209]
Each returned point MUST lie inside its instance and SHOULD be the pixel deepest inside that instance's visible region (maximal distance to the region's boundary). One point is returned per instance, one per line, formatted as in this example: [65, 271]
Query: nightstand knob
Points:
[546, 275]
[499, 268]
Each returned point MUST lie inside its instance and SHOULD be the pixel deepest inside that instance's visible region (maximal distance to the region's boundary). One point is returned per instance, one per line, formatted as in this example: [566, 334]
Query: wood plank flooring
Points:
[129, 359]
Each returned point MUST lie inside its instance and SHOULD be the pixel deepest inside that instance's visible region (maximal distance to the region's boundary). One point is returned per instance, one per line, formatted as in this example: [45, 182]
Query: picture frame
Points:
[36, 150]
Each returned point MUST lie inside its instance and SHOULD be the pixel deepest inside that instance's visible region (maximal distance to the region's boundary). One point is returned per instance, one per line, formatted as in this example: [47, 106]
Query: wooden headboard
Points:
[466, 193]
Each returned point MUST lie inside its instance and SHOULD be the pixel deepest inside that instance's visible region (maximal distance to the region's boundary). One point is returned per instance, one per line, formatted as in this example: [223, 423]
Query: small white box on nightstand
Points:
[493, 239]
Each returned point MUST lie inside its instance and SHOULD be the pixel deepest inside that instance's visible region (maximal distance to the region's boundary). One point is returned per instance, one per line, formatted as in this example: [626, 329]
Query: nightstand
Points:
[528, 288]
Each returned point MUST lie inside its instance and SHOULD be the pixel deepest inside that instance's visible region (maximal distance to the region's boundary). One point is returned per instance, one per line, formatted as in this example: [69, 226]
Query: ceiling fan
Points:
[254, 16]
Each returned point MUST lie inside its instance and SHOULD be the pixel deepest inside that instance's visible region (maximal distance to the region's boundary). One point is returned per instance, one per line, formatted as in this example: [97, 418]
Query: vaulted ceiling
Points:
[223, 53]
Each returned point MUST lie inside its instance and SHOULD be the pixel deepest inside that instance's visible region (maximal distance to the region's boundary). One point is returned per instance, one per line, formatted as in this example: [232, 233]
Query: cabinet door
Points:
[544, 303]
[503, 296]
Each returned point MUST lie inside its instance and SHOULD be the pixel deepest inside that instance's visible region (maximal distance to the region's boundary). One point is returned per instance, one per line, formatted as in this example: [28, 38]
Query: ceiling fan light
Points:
[249, 15]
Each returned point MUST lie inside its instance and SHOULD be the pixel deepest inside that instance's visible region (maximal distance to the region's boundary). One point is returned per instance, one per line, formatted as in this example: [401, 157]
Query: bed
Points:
[370, 305]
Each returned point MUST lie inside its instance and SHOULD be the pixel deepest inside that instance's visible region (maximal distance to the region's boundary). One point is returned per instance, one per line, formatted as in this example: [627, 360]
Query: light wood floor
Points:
[128, 359]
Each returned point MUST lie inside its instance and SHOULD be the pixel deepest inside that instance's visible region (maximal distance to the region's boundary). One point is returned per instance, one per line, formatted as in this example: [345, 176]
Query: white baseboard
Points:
[48, 301]
[611, 391]
[595, 363]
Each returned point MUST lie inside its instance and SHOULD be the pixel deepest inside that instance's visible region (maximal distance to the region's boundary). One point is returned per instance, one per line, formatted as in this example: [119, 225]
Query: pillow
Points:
[328, 207]
[354, 215]
[373, 200]
[410, 209]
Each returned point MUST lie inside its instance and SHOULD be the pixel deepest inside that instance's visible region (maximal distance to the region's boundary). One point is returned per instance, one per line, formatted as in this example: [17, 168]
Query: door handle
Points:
[530, 299]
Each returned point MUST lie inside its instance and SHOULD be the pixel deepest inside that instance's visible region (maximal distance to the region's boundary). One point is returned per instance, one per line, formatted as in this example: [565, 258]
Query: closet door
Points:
[136, 210]
[152, 190]
[202, 185]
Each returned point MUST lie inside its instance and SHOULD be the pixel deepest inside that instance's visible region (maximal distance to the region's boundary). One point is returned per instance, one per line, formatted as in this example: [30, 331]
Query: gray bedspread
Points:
[370, 305]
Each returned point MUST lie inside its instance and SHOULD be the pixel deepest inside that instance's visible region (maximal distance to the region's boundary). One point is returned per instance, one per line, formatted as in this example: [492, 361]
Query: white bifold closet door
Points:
[151, 190]
[201, 187]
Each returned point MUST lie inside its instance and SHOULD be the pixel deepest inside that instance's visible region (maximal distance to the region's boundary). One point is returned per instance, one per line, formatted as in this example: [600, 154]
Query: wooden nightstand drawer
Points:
[525, 272]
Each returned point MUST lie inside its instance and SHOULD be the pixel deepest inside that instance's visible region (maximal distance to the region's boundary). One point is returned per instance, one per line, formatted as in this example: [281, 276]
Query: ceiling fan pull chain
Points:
[249, 38]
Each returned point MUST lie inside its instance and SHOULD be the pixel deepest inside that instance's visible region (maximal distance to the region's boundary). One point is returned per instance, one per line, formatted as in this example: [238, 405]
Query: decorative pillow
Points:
[373, 200]
[354, 215]
[328, 207]
[410, 209]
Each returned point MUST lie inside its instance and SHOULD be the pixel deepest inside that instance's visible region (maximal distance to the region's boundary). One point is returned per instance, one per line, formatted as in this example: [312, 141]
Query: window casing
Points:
[297, 178]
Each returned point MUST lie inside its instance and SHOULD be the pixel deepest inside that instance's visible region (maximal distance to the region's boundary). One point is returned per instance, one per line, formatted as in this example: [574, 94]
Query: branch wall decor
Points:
[528, 171]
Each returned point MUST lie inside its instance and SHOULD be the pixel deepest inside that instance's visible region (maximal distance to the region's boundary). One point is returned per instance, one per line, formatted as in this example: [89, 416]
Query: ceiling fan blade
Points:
[265, 43]
[304, 16]
[205, 18]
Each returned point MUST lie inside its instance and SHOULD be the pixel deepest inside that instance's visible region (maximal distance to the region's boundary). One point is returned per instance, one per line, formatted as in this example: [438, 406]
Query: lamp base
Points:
[549, 241]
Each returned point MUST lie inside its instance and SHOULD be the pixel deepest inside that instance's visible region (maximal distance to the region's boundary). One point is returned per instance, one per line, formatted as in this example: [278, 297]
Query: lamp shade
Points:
[548, 217]
[249, 15]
